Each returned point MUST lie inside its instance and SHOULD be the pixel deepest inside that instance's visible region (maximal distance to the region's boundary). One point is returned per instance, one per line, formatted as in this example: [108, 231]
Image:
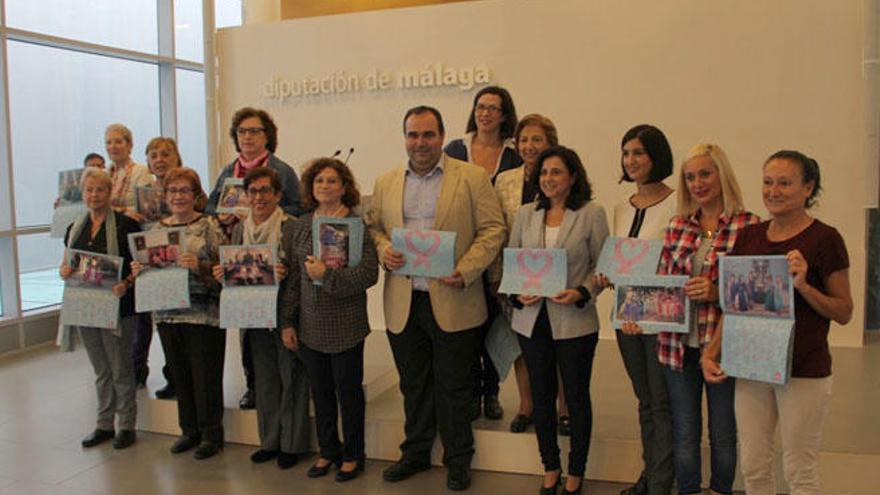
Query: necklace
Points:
[334, 213]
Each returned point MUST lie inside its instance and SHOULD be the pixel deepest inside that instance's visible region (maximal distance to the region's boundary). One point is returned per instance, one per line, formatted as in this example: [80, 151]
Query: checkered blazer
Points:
[331, 317]
[681, 241]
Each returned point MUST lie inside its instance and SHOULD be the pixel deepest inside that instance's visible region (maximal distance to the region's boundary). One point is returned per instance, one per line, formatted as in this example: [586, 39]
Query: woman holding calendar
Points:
[819, 265]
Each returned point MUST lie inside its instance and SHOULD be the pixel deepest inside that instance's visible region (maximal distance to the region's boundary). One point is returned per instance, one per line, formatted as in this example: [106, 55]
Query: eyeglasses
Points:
[253, 131]
[253, 191]
[488, 108]
[183, 191]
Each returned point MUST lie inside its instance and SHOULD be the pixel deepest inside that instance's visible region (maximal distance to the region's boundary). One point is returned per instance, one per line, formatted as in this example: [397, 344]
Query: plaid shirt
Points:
[681, 241]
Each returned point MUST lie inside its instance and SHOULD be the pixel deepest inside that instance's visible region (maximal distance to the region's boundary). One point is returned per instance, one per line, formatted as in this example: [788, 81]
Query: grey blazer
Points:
[581, 234]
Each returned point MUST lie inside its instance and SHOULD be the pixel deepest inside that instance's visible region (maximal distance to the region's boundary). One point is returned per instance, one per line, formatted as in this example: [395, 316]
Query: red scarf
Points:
[242, 165]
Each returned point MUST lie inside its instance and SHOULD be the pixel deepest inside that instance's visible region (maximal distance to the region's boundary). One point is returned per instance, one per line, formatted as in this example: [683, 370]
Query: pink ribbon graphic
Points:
[423, 257]
[533, 278]
[626, 263]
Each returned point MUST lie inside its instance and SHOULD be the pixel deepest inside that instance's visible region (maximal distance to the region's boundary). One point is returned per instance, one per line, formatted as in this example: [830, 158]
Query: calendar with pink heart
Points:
[627, 257]
[534, 272]
[428, 253]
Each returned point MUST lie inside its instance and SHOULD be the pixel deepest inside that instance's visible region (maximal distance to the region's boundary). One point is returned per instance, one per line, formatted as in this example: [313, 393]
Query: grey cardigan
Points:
[581, 234]
[331, 317]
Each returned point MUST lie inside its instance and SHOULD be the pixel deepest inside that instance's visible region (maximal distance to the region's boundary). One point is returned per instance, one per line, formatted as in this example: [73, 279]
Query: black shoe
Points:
[492, 408]
[167, 392]
[262, 456]
[343, 476]
[207, 449]
[184, 443]
[123, 439]
[553, 490]
[520, 423]
[565, 426]
[576, 491]
[97, 437]
[403, 469]
[317, 471]
[475, 408]
[640, 488]
[458, 478]
[287, 460]
[248, 400]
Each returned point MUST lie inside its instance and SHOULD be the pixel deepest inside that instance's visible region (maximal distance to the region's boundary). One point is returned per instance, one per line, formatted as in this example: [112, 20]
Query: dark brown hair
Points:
[269, 126]
[350, 198]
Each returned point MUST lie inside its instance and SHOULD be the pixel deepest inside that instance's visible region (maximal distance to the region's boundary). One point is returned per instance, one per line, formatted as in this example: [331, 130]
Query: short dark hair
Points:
[425, 109]
[656, 146]
[350, 198]
[581, 191]
[258, 173]
[92, 156]
[809, 171]
[508, 125]
[269, 126]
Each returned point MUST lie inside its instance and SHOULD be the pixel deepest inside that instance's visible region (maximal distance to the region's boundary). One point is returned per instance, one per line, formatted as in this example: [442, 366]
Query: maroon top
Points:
[825, 252]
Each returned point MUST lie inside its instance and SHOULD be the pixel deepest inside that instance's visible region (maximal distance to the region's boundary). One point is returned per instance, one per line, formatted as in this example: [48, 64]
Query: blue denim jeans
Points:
[686, 401]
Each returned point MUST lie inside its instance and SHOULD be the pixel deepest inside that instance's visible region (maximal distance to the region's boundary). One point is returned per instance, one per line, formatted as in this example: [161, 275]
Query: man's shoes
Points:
[475, 408]
[343, 476]
[184, 443]
[492, 408]
[520, 423]
[97, 437]
[287, 460]
[565, 426]
[317, 471]
[207, 449]
[262, 456]
[403, 469]
[123, 439]
[248, 400]
[167, 392]
[458, 478]
[640, 488]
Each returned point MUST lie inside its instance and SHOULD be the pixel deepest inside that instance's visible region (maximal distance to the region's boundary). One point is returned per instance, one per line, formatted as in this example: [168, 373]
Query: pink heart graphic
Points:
[415, 246]
[778, 376]
[533, 277]
[627, 259]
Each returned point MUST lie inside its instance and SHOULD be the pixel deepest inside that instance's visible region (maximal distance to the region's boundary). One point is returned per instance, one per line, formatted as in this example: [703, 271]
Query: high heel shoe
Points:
[317, 471]
[576, 491]
[553, 489]
[343, 476]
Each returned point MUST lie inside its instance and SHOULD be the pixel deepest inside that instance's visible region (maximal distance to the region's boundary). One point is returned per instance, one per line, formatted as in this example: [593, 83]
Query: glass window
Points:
[55, 125]
[227, 13]
[129, 24]
[38, 259]
[188, 39]
[191, 133]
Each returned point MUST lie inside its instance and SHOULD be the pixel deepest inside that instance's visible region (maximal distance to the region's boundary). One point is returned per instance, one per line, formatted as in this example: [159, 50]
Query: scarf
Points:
[268, 232]
[242, 166]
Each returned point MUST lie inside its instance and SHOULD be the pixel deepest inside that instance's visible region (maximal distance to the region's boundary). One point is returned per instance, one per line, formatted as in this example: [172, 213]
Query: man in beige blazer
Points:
[431, 322]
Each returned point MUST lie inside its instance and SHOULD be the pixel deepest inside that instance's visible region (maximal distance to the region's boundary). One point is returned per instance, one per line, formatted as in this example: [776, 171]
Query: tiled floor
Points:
[47, 406]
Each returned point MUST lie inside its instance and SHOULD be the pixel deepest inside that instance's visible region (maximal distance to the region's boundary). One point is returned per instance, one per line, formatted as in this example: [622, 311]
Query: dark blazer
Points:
[331, 317]
[508, 160]
[290, 200]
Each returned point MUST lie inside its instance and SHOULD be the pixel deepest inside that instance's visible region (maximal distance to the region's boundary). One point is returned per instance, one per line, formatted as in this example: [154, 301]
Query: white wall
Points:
[752, 76]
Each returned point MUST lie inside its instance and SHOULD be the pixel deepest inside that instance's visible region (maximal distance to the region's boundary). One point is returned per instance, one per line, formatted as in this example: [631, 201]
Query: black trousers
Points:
[483, 373]
[195, 354]
[337, 386]
[574, 358]
[247, 359]
[434, 368]
[143, 336]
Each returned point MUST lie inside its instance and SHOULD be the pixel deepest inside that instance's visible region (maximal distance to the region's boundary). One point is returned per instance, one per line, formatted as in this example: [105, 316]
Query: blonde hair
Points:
[125, 131]
[731, 196]
[99, 174]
